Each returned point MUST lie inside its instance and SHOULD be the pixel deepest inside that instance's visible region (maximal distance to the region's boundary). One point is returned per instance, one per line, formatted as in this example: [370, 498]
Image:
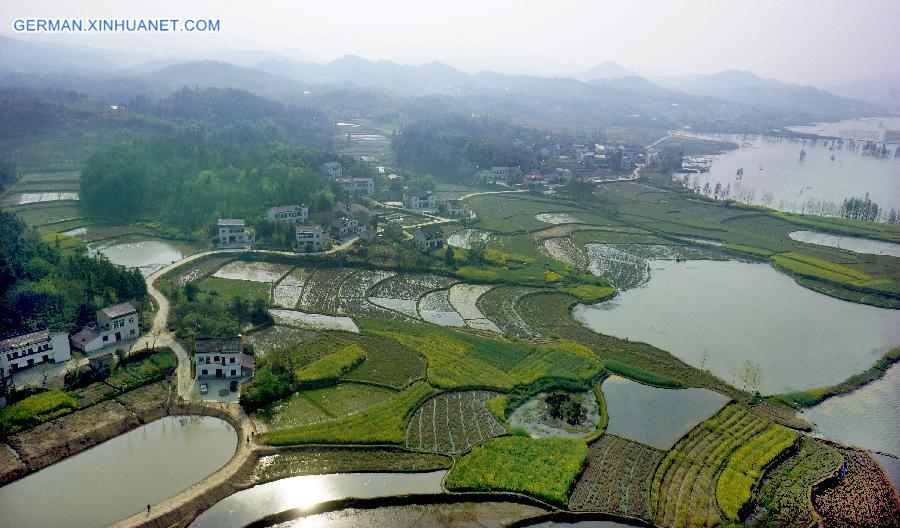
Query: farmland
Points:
[616, 478]
[452, 422]
[861, 495]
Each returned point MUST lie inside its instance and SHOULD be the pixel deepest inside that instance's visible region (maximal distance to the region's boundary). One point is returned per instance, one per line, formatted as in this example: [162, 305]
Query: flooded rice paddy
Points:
[313, 320]
[867, 128]
[654, 416]
[868, 417]
[465, 238]
[50, 196]
[121, 476]
[719, 314]
[557, 218]
[305, 491]
[854, 244]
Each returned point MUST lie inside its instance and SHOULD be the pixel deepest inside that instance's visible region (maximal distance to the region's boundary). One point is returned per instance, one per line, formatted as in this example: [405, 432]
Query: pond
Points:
[146, 255]
[302, 492]
[719, 314]
[533, 416]
[654, 416]
[867, 417]
[854, 244]
[121, 476]
[773, 164]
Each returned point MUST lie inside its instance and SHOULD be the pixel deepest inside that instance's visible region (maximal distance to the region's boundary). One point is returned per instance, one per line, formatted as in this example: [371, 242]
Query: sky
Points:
[800, 41]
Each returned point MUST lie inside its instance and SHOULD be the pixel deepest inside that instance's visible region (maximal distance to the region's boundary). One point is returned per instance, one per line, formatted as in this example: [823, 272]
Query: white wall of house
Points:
[313, 236]
[51, 347]
[111, 331]
[225, 364]
[296, 214]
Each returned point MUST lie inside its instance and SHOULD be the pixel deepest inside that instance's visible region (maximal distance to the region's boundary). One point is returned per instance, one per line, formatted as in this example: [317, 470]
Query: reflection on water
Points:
[120, 476]
[854, 244]
[305, 491]
[146, 255]
[583, 524]
[718, 314]
[868, 128]
[654, 416]
[867, 417]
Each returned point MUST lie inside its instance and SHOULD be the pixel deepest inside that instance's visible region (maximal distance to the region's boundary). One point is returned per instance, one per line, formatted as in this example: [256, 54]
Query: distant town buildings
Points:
[365, 186]
[428, 237]
[114, 323]
[233, 232]
[503, 173]
[332, 169]
[309, 239]
[344, 227]
[457, 208]
[226, 358]
[420, 201]
[297, 214]
[27, 350]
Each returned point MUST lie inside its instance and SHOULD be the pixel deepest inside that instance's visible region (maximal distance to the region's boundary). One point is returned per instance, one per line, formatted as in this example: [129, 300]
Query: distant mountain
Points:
[216, 74]
[25, 56]
[884, 88]
[607, 70]
[746, 87]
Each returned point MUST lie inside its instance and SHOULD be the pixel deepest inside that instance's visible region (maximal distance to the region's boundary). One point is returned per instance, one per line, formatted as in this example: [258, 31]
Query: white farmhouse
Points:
[114, 323]
[364, 186]
[309, 239]
[457, 209]
[297, 214]
[344, 227]
[26, 350]
[428, 237]
[222, 358]
[420, 202]
[333, 169]
[233, 232]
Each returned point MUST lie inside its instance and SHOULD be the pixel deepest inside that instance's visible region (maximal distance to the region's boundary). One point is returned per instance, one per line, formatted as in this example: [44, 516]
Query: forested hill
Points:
[43, 288]
[456, 147]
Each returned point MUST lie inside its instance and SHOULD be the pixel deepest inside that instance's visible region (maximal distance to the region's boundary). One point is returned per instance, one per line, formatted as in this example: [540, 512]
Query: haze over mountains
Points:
[288, 77]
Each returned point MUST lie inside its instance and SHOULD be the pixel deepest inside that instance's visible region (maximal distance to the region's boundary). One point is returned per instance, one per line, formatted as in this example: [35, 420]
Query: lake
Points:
[854, 244]
[773, 164]
[655, 416]
[119, 477]
[302, 492]
[717, 314]
[867, 417]
[145, 255]
[867, 128]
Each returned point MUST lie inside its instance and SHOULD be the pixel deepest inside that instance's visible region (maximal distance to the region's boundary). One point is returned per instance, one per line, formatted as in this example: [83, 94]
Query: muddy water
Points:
[719, 314]
[146, 255]
[120, 476]
[854, 244]
[302, 492]
[654, 416]
[867, 417]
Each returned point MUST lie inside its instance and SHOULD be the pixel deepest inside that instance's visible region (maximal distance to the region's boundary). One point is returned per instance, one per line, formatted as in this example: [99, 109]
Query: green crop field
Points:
[331, 367]
[452, 422]
[34, 410]
[228, 289]
[544, 468]
[382, 423]
[320, 405]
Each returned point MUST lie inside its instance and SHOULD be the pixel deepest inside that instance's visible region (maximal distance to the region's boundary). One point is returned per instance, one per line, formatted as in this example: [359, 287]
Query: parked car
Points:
[233, 385]
[204, 388]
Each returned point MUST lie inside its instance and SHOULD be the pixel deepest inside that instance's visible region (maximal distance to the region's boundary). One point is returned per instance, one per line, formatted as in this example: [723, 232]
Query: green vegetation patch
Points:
[327, 403]
[141, 369]
[384, 423]
[35, 410]
[640, 375]
[745, 467]
[227, 289]
[749, 250]
[331, 367]
[544, 468]
[589, 293]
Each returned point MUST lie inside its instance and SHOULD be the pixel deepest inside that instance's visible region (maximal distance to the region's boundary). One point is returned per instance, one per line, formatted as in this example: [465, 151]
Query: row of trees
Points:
[41, 288]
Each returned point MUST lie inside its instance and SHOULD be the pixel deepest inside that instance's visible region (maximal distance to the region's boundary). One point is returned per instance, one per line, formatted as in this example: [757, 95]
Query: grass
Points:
[35, 410]
[328, 369]
[640, 375]
[542, 468]
[228, 289]
[311, 406]
[589, 293]
[69, 245]
[820, 269]
[748, 250]
[745, 467]
[383, 423]
[317, 460]
[141, 369]
[809, 398]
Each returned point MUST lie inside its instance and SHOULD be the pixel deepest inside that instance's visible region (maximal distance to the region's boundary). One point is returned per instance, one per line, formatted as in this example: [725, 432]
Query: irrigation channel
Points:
[719, 314]
[121, 476]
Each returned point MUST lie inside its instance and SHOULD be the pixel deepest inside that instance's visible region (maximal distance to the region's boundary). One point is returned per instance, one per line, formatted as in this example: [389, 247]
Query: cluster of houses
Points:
[335, 172]
[114, 324]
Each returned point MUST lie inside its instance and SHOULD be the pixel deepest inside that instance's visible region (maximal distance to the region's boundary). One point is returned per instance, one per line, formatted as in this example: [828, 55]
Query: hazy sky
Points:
[808, 41]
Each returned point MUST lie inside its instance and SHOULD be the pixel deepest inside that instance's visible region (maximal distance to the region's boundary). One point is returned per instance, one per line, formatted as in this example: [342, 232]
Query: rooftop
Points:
[285, 208]
[309, 229]
[24, 339]
[232, 222]
[217, 344]
[118, 310]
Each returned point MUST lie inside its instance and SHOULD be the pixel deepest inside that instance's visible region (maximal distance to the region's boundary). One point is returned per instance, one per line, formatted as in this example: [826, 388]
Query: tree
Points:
[751, 375]
[449, 257]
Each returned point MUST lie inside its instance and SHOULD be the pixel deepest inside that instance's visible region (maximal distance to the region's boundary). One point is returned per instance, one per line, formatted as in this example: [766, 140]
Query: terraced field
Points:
[627, 266]
[464, 298]
[500, 304]
[288, 291]
[435, 308]
[861, 496]
[616, 478]
[352, 294]
[320, 294]
[684, 487]
[453, 422]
